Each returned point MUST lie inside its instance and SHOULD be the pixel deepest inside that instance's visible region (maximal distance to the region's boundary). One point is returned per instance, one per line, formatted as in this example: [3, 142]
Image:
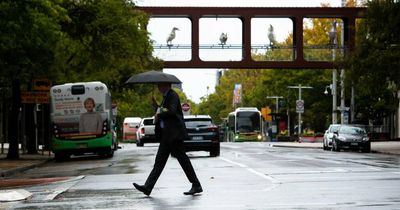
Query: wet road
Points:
[245, 176]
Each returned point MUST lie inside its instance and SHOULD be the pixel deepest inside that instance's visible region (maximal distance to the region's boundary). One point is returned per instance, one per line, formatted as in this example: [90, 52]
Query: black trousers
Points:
[176, 148]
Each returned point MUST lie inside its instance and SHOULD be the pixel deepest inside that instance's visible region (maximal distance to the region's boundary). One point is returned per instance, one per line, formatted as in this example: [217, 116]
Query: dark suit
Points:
[171, 129]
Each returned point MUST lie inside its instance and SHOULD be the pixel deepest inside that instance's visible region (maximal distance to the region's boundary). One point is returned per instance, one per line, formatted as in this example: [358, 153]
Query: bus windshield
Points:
[248, 121]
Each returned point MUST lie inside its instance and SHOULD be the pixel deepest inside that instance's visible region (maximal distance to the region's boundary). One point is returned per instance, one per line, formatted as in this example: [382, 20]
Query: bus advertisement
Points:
[244, 124]
[82, 120]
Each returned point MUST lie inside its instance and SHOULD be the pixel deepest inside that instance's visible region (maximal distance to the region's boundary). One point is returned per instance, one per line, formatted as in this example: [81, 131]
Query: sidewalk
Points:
[25, 162]
[384, 147]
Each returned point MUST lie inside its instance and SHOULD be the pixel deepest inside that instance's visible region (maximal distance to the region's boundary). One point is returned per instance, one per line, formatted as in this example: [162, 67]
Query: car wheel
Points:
[214, 152]
[335, 146]
[367, 148]
[139, 144]
[61, 156]
[324, 146]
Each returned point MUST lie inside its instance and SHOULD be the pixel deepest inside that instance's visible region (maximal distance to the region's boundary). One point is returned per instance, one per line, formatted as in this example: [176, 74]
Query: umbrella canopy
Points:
[153, 77]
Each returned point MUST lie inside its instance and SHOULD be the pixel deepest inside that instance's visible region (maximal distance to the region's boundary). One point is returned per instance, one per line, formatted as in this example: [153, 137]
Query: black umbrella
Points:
[153, 77]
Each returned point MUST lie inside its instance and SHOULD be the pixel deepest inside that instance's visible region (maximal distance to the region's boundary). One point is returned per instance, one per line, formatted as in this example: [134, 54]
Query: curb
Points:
[10, 172]
[317, 147]
[293, 146]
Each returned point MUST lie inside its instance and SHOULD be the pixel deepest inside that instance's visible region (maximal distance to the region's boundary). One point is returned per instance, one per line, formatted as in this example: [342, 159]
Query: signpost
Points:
[185, 108]
[299, 105]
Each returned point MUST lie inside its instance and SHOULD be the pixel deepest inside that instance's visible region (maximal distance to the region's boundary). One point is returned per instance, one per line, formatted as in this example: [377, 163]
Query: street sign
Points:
[300, 106]
[185, 107]
[35, 97]
[41, 84]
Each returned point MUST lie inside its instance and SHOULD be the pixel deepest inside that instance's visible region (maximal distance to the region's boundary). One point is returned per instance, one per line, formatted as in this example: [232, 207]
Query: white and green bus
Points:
[244, 124]
[76, 129]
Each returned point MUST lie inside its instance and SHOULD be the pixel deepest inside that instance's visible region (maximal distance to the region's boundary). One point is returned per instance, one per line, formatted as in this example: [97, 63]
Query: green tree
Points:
[105, 40]
[374, 64]
[28, 36]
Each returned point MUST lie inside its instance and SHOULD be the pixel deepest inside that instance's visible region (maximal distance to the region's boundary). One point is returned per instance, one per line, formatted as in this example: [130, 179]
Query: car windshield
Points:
[334, 128]
[197, 123]
[352, 130]
[148, 122]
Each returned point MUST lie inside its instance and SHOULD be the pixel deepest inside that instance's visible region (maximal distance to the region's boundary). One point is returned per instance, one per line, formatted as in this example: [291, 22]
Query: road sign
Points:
[300, 106]
[185, 107]
[41, 84]
[35, 97]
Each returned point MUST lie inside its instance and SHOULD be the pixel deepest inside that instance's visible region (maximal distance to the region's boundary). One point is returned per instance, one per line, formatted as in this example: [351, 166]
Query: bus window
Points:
[78, 89]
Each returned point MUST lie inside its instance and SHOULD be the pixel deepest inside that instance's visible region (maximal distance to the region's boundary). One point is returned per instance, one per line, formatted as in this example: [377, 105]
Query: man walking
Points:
[171, 130]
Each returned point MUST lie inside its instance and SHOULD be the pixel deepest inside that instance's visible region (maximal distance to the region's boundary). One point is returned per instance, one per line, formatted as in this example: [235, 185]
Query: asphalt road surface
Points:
[245, 176]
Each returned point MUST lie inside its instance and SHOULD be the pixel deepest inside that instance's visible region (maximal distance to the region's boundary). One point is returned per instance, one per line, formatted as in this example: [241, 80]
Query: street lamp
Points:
[333, 42]
[326, 89]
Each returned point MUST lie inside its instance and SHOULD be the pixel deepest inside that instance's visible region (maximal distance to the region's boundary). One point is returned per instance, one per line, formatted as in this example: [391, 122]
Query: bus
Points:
[82, 120]
[244, 124]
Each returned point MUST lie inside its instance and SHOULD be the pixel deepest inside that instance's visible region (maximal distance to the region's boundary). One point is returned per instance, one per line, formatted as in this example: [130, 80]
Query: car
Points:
[327, 142]
[203, 134]
[146, 132]
[351, 137]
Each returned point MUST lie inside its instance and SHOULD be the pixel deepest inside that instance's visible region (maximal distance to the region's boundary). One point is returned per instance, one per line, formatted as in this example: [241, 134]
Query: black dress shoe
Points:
[142, 189]
[194, 190]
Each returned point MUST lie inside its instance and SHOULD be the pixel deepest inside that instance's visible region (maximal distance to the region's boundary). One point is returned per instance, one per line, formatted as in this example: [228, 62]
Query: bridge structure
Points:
[348, 15]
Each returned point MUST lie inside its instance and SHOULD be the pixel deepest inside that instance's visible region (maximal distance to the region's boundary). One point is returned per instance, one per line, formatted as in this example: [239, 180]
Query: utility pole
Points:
[299, 104]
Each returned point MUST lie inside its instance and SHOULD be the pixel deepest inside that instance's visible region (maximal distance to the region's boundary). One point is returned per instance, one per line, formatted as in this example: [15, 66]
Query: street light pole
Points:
[333, 37]
[342, 75]
[299, 87]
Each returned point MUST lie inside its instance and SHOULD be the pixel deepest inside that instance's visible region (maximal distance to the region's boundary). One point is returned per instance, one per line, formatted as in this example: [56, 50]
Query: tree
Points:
[106, 41]
[28, 36]
[374, 63]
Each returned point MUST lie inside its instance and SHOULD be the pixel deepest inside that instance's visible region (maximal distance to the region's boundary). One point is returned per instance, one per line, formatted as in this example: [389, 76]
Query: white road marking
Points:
[62, 188]
[262, 175]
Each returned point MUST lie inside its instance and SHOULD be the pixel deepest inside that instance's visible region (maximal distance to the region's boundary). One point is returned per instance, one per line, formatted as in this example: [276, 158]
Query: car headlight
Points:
[342, 138]
[365, 138]
[259, 137]
[236, 137]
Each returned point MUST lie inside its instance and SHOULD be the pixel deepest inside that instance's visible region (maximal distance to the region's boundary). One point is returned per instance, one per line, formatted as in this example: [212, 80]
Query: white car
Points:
[146, 132]
[327, 144]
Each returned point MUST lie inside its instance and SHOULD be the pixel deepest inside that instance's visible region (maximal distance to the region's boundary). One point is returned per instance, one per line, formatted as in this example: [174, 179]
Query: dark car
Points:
[351, 137]
[203, 134]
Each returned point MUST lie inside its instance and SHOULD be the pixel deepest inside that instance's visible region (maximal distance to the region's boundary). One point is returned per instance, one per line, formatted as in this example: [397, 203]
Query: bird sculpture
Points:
[223, 38]
[171, 36]
[271, 35]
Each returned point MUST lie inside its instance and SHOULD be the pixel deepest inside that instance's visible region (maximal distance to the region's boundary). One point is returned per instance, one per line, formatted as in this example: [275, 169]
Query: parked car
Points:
[351, 137]
[146, 132]
[327, 143]
[203, 134]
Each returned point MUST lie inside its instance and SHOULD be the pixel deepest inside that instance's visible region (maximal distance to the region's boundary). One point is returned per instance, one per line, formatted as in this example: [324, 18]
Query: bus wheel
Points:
[60, 156]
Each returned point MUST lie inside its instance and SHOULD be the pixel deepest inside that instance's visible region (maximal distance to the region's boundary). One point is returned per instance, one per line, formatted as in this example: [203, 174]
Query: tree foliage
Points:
[374, 64]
